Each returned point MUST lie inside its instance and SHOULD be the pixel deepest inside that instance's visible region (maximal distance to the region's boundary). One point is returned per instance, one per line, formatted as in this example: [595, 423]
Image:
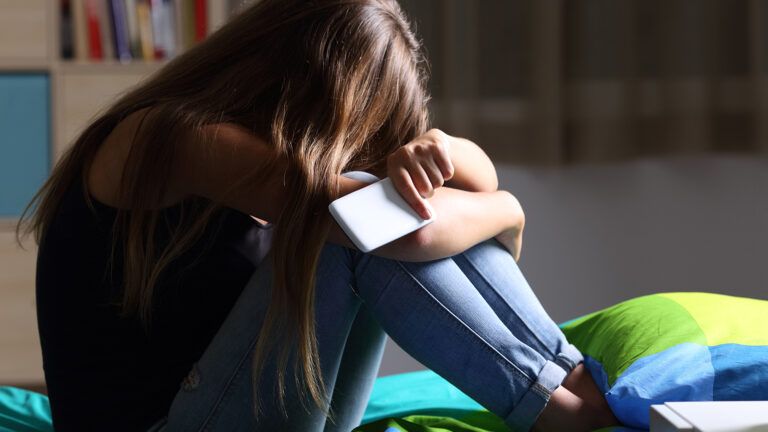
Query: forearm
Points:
[473, 169]
[464, 219]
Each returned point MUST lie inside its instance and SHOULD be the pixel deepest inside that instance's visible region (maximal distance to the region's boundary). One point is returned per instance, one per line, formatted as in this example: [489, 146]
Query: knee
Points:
[336, 256]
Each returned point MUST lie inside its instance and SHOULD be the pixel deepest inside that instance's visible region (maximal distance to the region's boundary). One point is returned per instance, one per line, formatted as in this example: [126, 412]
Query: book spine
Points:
[156, 11]
[178, 20]
[94, 31]
[134, 38]
[201, 20]
[218, 11]
[79, 29]
[169, 27]
[107, 29]
[120, 26]
[67, 38]
[188, 22]
[144, 15]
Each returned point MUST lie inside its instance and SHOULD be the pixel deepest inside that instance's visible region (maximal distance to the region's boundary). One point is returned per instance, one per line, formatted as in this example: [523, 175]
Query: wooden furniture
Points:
[44, 103]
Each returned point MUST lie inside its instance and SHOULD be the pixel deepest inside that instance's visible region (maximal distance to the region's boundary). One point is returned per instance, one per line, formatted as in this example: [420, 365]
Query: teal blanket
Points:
[24, 411]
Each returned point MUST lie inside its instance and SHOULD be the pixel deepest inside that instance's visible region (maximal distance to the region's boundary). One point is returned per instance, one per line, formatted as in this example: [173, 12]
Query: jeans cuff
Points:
[569, 358]
[529, 408]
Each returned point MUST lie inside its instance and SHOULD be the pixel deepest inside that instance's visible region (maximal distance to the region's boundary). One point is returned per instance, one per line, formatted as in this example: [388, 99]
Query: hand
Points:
[419, 167]
[512, 237]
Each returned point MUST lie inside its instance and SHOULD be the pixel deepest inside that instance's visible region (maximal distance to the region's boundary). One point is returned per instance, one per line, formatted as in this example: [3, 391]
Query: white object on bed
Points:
[730, 416]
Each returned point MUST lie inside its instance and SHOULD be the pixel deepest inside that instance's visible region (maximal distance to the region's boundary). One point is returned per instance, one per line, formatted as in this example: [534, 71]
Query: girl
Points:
[189, 275]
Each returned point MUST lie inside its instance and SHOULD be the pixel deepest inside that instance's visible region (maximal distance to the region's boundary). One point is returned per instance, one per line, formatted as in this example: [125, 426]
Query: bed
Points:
[642, 352]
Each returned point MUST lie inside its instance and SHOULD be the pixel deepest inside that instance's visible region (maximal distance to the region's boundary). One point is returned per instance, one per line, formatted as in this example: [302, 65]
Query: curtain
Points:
[561, 81]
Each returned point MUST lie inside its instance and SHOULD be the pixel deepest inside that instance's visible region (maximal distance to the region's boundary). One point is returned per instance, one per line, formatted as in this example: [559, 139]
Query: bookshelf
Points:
[56, 97]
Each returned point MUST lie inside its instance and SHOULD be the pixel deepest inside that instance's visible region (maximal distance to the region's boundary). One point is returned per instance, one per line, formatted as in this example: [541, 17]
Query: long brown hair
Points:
[331, 85]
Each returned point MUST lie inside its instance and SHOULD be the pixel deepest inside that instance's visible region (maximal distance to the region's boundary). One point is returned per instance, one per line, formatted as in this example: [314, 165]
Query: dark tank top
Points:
[104, 372]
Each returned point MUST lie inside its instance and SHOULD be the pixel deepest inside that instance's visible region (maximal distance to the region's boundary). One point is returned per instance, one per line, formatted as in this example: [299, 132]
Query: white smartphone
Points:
[376, 215]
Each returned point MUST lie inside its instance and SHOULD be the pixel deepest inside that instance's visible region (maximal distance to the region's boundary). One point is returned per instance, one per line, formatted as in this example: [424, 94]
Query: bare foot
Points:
[580, 382]
[568, 412]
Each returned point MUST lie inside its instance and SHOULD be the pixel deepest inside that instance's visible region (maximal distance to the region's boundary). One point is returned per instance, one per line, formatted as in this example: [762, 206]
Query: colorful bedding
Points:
[24, 411]
[424, 402]
[415, 400]
[675, 347]
[648, 350]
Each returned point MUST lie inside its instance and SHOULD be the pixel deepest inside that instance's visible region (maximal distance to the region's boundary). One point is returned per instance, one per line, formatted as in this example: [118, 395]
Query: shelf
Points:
[24, 65]
[12, 65]
[8, 224]
[108, 67]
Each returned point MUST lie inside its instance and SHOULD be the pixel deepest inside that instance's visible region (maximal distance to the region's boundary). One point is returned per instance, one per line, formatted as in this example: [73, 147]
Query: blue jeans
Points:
[471, 318]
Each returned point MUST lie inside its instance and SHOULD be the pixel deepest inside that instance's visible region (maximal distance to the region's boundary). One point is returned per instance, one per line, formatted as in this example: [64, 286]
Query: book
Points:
[217, 11]
[134, 39]
[201, 19]
[156, 15]
[94, 30]
[120, 30]
[80, 31]
[107, 32]
[171, 47]
[185, 12]
[67, 39]
[129, 30]
[144, 16]
[162, 28]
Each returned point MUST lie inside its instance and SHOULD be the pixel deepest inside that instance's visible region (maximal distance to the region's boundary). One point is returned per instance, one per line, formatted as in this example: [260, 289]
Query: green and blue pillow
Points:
[675, 347]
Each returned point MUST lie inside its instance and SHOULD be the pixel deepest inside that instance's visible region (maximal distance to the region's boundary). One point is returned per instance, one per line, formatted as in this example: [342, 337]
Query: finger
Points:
[433, 172]
[441, 152]
[420, 179]
[404, 185]
[443, 160]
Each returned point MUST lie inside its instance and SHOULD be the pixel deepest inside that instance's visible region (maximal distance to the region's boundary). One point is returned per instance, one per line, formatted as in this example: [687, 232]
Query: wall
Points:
[597, 235]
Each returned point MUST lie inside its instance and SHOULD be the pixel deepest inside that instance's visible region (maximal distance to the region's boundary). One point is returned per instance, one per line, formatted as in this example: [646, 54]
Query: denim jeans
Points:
[472, 318]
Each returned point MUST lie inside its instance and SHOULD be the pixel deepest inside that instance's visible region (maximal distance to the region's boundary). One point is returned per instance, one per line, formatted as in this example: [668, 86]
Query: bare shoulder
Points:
[106, 170]
[215, 164]
[231, 165]
[222, 153]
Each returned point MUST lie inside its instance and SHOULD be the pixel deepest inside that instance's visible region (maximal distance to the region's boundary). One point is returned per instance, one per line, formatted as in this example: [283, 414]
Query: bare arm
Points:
[464, 219]
[420, 168]
[475, 172]
[473, 169]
